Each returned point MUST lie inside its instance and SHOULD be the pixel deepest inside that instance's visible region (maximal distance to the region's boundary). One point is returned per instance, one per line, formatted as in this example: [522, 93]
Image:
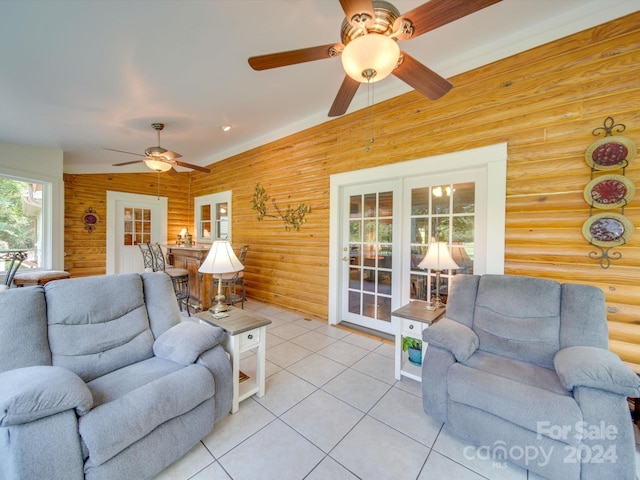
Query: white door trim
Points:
[492, 158]
[112, 199]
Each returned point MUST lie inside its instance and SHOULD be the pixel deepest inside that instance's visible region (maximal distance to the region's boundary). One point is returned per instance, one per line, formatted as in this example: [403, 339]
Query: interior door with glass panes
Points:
[369, 279]
[136, 222]
[441, 211]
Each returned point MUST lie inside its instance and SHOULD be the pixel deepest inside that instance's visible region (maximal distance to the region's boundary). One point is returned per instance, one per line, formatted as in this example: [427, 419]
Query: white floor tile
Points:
[283, 391]
[332, 331]
[373, 450]
[313, 341]
[343, 352]
[362, 341]
[322, 419]
[235, 429]
[403, 411]
[276, 452]
[188, 465]
[409, 385]
[286, 354]
[439, 467]
[212, 472]
[317, 369]
[357, 389]
[378, 366]
[309, 323]
[329, 469]
[288, 331]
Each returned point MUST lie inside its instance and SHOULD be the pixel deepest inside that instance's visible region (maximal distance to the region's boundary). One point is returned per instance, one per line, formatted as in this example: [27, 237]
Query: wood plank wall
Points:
[544, 102]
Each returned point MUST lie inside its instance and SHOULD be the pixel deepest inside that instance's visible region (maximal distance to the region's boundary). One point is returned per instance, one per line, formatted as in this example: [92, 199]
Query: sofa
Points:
[100, 379]
[519, 366]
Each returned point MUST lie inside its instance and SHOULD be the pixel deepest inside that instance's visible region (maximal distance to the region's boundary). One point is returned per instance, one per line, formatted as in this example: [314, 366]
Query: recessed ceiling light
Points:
[225, 128]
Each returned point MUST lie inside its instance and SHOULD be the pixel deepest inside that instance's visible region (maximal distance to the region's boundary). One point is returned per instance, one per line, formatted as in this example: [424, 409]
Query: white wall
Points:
[44, 165]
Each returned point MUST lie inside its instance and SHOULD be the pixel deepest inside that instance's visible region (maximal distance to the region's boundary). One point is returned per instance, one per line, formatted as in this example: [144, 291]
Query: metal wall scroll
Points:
[610, 191]
[90, 219]
[292, 217]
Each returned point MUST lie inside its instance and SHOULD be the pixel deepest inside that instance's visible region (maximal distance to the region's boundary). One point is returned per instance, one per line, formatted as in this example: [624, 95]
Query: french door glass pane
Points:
[370, 254]
[444, 213]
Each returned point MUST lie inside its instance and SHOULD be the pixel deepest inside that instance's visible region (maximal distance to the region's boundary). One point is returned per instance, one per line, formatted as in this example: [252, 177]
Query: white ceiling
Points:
[81, 75]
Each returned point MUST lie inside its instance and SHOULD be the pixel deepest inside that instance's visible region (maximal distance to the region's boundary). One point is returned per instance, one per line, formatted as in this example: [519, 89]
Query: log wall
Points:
[544, 103]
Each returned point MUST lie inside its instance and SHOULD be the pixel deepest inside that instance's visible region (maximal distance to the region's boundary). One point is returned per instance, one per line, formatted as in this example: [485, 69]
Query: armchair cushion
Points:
[185, 342]
[31, 393]
[453, 336]
[595, 368]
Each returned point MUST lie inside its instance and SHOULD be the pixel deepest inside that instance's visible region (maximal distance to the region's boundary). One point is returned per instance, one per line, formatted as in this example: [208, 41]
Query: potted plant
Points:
[414, 347]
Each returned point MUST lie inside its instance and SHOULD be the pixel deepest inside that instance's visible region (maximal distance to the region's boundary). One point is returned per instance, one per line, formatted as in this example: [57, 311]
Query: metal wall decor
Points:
[292, 217]
[608, 229]
[90, 219]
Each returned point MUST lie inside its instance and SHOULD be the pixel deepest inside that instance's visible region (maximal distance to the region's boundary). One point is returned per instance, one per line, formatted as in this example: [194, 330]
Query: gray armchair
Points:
[520, 366]
[100, 379]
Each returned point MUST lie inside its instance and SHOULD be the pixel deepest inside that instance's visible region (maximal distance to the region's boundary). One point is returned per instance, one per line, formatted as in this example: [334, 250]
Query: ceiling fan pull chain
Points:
[370, 103]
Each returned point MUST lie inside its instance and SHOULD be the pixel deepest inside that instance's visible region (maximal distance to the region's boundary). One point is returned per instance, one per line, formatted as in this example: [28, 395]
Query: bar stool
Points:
[38, 277]
[179, 276]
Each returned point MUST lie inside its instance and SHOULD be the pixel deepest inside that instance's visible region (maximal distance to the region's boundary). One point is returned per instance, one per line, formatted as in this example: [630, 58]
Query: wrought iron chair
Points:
[147, 257]
[179, 276]
[15, 259]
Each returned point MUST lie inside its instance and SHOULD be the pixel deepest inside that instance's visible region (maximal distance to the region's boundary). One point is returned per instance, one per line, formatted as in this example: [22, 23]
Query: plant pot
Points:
[415, 356]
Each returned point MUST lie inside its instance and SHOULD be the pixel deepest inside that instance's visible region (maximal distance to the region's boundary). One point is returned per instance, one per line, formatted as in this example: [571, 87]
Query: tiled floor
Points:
[332, 410]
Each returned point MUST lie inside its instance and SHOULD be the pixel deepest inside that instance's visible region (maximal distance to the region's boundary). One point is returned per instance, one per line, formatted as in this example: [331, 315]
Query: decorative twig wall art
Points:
[608, 192]
[292, 217]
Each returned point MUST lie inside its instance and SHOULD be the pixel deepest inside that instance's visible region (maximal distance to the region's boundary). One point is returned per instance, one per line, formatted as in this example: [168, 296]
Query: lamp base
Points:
[220, 306]
[436, 303]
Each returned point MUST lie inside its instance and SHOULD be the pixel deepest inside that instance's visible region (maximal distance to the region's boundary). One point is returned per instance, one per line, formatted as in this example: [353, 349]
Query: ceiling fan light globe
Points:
[370, 52]
[158, 165]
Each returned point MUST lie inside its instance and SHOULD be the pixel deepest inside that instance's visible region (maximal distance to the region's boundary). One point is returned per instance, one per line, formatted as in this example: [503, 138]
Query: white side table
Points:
[410, 320]
[245, 331]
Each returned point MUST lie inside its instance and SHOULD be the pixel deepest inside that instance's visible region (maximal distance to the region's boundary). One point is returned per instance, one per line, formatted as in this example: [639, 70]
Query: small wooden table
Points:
[410, 320]
[245, 331]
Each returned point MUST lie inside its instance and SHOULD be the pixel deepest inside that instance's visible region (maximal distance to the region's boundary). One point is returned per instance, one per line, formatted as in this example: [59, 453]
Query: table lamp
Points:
[220, 260]
[437, 259]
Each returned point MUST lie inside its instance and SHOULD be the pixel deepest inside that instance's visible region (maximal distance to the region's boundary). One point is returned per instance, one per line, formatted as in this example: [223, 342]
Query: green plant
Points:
[410, 342]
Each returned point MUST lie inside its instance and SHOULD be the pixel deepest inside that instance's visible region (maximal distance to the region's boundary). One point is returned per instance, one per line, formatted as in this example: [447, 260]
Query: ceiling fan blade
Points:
[127, 163]
[421, 78]
[194, 167]
[292, 57]
[354, 8]
[437, 13]
[169, 155]
[122, 151]
[346, 93]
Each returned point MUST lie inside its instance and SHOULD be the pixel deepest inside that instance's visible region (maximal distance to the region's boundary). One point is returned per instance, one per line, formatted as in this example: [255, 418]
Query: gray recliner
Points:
[520, 367]
[100, 379]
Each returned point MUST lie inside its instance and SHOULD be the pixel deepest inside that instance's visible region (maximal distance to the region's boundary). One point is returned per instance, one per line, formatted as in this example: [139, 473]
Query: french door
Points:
[369, 243]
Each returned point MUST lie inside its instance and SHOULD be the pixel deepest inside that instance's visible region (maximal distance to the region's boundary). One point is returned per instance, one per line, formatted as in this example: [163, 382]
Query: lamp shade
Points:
[157, 165]
[373, 51]
[438, 258]
[221, 259]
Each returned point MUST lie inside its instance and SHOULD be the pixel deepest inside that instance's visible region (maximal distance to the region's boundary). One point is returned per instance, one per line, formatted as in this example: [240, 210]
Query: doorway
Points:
[133, 219]
[372, 255]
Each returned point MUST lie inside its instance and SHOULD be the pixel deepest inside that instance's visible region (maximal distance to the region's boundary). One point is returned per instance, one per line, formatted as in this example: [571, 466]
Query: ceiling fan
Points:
[369, 48]
[159, 159]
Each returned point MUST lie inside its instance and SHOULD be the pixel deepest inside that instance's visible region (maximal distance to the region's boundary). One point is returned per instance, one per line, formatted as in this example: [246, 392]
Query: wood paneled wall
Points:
[544, 102]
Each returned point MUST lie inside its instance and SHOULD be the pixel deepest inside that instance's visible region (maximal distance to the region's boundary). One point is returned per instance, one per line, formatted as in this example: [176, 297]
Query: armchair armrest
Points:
[595, 368]
[452, 336]
[31, 393]
[186, 341]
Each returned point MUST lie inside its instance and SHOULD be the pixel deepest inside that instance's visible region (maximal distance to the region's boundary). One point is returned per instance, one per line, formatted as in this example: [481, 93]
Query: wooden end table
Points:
[245, 331]
[410, 320]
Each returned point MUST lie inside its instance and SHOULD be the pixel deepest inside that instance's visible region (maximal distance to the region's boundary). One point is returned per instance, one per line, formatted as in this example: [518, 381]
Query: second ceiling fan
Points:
[159, 159]
[369, 47]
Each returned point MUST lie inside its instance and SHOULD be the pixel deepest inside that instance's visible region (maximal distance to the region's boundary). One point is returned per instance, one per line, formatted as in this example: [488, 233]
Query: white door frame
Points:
[492, 159]
[112, 199]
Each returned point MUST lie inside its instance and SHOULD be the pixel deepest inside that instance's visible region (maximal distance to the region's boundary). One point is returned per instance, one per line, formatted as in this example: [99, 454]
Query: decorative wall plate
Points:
[610, 153]
[609, 191]
[607, 229]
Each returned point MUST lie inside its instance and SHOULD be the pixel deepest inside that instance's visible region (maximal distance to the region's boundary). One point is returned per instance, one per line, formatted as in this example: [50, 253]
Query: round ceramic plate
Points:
[609, 191]
[607, 229]
[610, 153]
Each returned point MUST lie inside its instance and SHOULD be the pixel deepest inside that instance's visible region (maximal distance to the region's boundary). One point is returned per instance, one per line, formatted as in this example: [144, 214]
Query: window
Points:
[137, 226]
[213, 217]
[22, 222]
